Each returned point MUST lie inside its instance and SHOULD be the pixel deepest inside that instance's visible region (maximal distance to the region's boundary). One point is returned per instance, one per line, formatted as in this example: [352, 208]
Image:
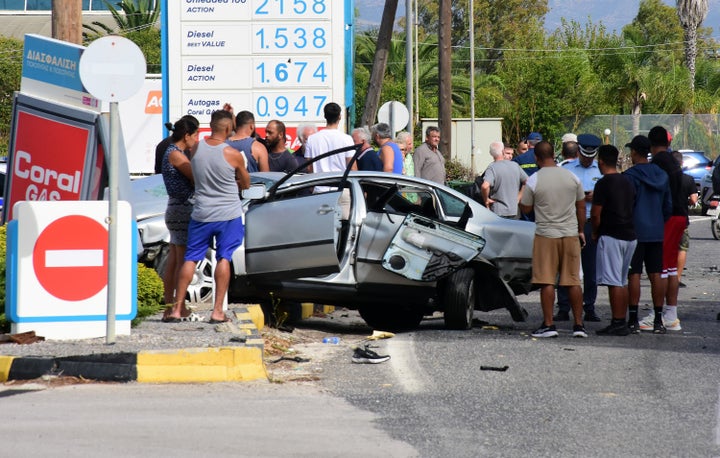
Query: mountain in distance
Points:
[614, 14]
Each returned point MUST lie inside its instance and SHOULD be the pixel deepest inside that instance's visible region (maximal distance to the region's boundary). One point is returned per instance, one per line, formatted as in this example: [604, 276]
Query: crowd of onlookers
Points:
[203, 176]
[598, 226]
[595, 225]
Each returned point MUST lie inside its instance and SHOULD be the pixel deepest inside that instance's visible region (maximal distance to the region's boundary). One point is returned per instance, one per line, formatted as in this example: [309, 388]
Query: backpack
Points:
[475, 189]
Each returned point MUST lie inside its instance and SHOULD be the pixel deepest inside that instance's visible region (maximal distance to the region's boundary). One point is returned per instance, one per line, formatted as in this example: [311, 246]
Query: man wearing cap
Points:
[653, 207]
[674, 228]
[526, 160]
[585, 167]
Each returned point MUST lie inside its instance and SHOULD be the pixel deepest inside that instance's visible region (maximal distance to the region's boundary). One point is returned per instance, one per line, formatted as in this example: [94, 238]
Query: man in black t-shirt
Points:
[614, 230]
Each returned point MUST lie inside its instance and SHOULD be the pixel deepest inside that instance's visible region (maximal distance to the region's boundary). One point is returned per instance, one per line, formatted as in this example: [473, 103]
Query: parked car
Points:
[697, 165]
[408, 248]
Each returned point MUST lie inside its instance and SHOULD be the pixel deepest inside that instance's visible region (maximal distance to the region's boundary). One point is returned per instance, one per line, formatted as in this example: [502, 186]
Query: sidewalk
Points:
[154, 352]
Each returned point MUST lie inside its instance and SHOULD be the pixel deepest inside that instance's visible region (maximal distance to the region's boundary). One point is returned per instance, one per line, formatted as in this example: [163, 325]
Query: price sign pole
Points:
[112, 69]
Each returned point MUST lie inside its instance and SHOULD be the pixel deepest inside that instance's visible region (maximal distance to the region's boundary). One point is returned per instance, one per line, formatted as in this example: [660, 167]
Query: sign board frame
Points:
[258, 56]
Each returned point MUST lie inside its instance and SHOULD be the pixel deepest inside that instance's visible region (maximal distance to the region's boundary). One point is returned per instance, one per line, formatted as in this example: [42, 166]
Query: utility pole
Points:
[409, 61]
[444, 61]
[67, 20]
[372, 100]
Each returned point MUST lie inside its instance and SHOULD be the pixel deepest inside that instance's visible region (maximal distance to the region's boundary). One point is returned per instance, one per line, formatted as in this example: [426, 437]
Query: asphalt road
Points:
[640, 395]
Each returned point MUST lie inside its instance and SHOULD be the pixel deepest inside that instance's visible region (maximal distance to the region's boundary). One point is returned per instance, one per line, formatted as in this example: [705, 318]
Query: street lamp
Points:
[607, 133]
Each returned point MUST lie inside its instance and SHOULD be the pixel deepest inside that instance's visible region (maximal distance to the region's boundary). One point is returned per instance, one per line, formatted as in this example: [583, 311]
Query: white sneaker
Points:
[672, 325]
[646, 324]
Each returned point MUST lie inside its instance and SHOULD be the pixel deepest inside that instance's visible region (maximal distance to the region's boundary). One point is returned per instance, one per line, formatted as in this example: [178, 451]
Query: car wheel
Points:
[201, 285]
[394, 319]
[715, 227]
[459, 299]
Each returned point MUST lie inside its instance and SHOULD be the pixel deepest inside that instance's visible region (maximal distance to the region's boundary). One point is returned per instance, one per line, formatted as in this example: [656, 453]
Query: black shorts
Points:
[650, 254]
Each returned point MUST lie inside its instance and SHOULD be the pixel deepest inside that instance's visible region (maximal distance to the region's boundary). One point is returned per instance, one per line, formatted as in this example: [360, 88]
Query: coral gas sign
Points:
[41, 166]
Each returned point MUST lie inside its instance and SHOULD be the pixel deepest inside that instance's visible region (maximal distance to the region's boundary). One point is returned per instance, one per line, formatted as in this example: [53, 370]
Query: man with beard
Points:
[279, 158]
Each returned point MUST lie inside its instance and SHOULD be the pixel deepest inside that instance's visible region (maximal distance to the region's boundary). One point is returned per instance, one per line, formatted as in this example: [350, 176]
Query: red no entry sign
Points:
[70, 258]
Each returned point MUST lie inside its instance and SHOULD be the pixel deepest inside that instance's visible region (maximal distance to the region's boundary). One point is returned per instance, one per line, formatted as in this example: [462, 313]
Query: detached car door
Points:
[293, 237]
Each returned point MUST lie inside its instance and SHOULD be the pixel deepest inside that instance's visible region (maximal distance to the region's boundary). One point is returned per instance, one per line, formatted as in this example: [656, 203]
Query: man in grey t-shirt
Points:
[220, 172]
[503, 183]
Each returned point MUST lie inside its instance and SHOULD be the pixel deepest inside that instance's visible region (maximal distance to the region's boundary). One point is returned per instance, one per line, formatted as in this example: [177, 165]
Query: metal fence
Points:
[698, 132]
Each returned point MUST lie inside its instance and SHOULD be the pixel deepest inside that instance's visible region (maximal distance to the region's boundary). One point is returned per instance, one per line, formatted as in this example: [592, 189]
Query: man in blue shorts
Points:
[220, 172]
[614, 231]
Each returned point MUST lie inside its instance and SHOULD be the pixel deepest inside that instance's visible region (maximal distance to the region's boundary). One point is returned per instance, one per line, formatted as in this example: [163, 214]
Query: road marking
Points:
[405, 365]
[74, 258]
[717, 421]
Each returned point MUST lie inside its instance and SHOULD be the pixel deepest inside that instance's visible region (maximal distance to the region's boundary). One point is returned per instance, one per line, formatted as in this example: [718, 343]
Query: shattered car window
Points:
[399, 199]
[451, 205]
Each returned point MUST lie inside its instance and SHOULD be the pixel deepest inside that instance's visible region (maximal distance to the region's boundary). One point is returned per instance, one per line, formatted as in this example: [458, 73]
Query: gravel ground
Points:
[151, 334]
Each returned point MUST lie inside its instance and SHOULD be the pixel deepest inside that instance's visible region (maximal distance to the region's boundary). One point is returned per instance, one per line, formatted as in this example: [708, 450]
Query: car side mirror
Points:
[255, 192]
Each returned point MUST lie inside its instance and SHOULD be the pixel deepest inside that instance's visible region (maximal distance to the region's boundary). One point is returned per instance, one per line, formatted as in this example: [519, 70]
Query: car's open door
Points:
[293, 237]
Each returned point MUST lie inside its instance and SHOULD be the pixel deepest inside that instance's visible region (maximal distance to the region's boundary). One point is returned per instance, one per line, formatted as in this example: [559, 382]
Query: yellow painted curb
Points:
[5, 365]
[308, 308]
[256, 315]
[197, 365]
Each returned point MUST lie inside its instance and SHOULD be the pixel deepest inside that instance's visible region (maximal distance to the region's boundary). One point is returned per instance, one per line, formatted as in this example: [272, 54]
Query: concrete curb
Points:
[188, 365]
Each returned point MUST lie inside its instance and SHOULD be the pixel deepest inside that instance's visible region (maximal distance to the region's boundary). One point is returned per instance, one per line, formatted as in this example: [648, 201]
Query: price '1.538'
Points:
[277, 38]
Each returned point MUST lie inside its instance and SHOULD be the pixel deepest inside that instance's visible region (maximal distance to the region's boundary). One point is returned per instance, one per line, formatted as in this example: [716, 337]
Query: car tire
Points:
[715, 228]
[396, 319]
[459, 299]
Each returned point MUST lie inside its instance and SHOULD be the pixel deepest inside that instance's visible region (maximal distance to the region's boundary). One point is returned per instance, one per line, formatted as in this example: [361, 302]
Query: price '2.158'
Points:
[299, 7]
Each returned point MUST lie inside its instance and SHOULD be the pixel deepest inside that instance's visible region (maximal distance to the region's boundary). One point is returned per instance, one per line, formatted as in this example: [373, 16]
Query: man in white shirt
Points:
[329, 139]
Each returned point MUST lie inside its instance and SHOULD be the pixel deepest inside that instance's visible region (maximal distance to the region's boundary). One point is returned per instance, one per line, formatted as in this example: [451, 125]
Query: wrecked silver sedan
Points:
[408, 247]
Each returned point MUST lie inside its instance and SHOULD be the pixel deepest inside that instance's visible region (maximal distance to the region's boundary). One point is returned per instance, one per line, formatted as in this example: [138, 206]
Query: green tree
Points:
[394, 80]
[498, 25]
[691, 13]
[136, 15]
[11, 52]
[137, 21]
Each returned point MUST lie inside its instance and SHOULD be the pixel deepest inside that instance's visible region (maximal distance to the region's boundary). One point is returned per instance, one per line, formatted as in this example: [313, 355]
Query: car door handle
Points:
[325, 209]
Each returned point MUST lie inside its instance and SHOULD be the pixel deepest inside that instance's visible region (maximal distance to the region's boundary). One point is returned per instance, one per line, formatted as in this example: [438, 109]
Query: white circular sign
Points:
[112, 68]
[394, 114]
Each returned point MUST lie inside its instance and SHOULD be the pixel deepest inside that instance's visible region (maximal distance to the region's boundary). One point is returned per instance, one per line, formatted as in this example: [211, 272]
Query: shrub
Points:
[456, 171]
[149, 295]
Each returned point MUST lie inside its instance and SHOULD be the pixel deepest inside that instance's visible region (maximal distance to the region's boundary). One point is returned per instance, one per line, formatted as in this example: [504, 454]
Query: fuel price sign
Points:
[280, 59]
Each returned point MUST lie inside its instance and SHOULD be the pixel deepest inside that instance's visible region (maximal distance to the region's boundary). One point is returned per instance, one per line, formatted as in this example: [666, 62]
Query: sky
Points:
[613, 13]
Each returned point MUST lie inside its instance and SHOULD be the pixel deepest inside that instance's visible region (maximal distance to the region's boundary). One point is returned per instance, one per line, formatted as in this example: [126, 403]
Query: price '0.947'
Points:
[292, 107]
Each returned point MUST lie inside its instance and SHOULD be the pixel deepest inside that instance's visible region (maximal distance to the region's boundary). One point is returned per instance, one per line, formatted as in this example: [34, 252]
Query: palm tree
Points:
[136, 15]
[691, 13]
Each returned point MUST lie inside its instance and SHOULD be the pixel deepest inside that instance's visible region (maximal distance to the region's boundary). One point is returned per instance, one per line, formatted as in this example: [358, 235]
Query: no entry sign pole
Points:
[112, 69]
[113, 180]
